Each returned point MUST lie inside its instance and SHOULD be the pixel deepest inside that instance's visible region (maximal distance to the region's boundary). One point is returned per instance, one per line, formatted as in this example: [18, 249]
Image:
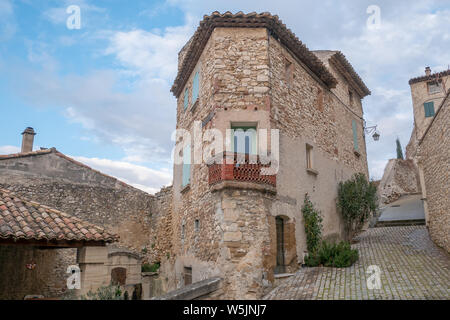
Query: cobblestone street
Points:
[411, 265]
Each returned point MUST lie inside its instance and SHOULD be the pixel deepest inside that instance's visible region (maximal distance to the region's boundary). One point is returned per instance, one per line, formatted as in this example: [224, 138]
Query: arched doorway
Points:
[280, 230]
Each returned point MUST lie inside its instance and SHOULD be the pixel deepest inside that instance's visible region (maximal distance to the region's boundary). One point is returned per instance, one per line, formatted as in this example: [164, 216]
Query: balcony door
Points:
[244, 139]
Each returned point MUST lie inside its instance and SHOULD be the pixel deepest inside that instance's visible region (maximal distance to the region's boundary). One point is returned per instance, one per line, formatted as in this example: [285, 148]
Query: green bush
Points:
[146, 267]
[104, 293]
[313, 225]
[339, 255]
[357, 200]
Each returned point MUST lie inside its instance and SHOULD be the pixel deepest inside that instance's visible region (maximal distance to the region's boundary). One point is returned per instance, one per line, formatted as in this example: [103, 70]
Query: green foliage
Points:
[104, 293]
[399, 149]
[338, 255]
[313, 225]
[357, 200]
[147, 267]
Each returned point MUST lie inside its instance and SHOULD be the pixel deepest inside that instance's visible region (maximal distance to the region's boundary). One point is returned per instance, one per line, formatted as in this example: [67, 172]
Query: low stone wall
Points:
[202, 290]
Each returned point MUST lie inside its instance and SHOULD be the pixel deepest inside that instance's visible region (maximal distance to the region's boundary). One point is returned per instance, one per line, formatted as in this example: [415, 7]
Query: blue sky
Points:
[101, 93]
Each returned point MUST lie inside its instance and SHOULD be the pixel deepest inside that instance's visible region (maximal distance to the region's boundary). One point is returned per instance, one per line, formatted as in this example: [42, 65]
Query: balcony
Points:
[240, 171]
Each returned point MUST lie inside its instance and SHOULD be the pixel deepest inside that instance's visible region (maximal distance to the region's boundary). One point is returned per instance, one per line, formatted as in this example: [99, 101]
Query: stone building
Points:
[427, 94]
[434, 167]
[31, 237]
[236, 219]
[401, 177]
[142, 221]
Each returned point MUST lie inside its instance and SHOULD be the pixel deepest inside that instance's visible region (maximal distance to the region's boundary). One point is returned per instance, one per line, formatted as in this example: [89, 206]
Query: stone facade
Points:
[250, 77]
[434, 164]
[57, 181]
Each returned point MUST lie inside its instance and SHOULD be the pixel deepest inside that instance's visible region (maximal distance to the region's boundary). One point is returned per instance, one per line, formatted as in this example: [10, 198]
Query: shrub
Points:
[104, 293]
[339, 255]
[313, 225]
[357, 200]
[146, 267]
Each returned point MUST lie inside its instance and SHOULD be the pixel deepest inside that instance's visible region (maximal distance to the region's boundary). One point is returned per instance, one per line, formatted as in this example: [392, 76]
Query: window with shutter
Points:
[195, 87]
[186, 98]
[186, 165]
[355, 135]
[429, 109]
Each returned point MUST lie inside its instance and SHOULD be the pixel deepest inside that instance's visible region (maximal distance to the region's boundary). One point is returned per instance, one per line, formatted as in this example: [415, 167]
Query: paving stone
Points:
[411, 267]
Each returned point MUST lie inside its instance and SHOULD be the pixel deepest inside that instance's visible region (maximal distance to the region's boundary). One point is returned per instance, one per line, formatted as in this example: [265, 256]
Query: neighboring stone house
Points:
[434, 167]
[51, 178]
[241, 73]
[401, 177]
[31, 237]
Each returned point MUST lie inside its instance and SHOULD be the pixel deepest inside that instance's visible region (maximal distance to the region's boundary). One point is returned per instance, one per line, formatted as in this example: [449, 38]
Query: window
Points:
[434, 87]
[186, 165]
[197, 225]
[195, 87]
[187, 276]
[244, 139]
[186, 98]
[183, 231]
[429, 109]
[350, 98]
[309, 156]
[289, 72]
[355, 135]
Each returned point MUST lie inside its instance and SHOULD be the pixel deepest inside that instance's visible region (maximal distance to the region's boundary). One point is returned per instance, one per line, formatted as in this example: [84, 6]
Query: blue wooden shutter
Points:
[355, 135]
[186, 165]
[429, 109]
[186, 98]
[195, 88]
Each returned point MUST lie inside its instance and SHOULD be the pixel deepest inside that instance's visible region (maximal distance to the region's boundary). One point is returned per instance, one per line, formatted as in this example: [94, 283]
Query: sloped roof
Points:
[21, 219]
[430, 77]
[250, 20]
[344, 67]
[63, 156]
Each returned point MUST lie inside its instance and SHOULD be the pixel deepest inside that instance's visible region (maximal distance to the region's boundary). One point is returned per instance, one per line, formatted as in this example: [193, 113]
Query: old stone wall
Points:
[434, 162]
[400, 177]
[17, 281]
[142, 221]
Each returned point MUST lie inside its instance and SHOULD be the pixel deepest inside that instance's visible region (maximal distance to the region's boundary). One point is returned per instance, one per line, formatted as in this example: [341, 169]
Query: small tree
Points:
[399, 149]
[313, 225]
[357, 200]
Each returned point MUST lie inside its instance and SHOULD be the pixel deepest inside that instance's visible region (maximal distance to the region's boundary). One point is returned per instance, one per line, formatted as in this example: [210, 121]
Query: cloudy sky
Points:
[101, 93]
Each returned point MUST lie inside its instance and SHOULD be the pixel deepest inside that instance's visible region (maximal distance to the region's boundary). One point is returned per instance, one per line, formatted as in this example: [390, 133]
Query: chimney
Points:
[427, 71]
[27, 140]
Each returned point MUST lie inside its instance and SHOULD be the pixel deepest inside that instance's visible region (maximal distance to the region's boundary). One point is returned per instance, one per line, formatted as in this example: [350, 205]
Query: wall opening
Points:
[187, 276]
[119, 276]
[280, 229]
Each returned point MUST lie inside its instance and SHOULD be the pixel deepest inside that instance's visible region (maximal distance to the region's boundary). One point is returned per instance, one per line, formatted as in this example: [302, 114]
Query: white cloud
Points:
[9, 149]
[8, 25]
[144, 178]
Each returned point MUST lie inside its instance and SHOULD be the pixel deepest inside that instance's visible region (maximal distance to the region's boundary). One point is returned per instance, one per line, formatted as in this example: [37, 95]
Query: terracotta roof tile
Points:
[430, 77]
[23, 219]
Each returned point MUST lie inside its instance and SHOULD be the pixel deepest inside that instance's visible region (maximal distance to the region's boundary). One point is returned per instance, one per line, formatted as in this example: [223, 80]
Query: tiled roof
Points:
[28, 220]
[345, 67]
[430, 77]
[250, 20]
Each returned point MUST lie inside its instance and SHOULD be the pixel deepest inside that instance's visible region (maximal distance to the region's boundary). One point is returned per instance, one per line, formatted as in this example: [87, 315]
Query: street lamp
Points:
[376, 134]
